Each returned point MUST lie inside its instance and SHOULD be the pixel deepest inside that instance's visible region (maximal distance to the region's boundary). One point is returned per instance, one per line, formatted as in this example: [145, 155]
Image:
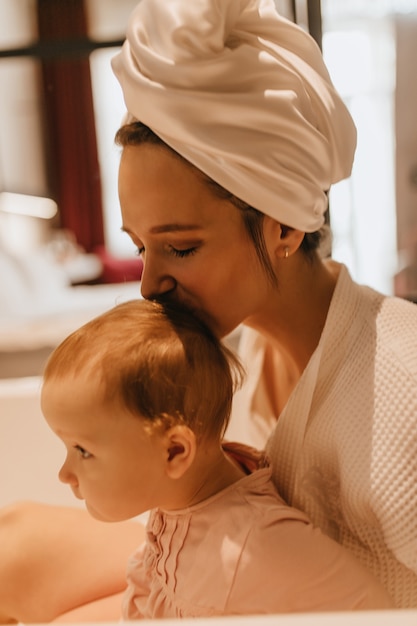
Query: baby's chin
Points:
[100, 516]
[111, 517]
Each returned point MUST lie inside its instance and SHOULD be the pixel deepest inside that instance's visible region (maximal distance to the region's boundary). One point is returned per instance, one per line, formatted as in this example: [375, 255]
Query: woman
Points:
[243, 96]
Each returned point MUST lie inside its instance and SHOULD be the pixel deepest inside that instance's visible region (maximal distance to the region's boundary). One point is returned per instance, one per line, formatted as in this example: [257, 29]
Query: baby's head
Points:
[137, 395]
[160, 361]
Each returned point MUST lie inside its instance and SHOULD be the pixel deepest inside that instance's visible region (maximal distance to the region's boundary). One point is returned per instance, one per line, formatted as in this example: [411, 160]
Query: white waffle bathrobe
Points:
[344, 449]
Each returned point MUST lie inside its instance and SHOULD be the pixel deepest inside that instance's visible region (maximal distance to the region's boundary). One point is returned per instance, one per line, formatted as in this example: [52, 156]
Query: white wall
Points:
[30, 454]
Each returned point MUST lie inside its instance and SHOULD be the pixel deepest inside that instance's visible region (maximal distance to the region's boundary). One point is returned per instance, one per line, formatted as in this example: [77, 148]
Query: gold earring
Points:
[286, 252]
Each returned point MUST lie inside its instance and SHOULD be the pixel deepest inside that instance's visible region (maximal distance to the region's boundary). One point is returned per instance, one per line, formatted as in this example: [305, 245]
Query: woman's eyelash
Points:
[175, 251]
[183, 253]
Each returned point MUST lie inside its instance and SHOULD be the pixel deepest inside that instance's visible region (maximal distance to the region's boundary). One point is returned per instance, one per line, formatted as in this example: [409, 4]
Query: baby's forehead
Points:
[78, 399]
[76, 379]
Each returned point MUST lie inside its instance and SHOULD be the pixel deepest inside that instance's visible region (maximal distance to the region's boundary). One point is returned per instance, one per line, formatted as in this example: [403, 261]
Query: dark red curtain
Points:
[73, 168]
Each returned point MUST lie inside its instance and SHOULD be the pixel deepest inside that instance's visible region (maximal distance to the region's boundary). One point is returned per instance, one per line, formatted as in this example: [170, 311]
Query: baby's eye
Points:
[183, 253]
[83, 452]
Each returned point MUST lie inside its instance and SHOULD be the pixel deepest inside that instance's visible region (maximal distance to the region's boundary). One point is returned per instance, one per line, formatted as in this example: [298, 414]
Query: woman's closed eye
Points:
[83, 452]
[183, 253]
[178, 252]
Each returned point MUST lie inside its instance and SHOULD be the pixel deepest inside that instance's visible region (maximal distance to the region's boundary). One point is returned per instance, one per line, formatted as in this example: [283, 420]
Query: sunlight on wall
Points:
[109, 111]
[361, 60]
[359, 48]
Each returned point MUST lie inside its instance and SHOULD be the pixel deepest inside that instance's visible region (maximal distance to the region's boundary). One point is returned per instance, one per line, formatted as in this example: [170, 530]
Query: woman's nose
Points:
[155, 283]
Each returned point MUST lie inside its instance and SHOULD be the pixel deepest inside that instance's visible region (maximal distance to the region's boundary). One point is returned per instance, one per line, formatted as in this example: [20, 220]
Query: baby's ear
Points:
[180, 450]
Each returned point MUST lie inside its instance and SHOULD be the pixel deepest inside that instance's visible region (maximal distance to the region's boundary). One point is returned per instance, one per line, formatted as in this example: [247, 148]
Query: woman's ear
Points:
[281, 241]
[180, 446]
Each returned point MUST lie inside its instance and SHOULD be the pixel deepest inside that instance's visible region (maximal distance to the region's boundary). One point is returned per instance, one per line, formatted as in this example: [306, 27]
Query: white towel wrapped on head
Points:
[243, 94]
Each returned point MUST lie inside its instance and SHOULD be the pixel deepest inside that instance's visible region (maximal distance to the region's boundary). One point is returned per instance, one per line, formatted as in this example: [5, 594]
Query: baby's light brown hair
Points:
[159, 360]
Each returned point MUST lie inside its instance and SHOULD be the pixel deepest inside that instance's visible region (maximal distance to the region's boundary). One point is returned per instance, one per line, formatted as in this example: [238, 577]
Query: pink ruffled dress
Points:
[243, 551]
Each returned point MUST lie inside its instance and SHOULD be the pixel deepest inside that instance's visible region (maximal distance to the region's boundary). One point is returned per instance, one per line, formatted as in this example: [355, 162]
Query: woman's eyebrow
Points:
[167, 228]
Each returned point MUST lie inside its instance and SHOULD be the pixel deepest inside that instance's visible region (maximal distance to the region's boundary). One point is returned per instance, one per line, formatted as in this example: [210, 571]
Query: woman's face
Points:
[194, 245]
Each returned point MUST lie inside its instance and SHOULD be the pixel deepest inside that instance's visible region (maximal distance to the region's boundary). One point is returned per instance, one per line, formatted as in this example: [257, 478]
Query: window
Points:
[359, 47]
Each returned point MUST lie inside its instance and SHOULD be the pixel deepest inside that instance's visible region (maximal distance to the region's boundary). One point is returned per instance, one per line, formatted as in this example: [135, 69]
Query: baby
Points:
[141, 397]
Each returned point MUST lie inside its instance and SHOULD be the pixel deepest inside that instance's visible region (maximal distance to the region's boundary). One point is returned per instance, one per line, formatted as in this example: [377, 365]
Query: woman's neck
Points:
[294, 317]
